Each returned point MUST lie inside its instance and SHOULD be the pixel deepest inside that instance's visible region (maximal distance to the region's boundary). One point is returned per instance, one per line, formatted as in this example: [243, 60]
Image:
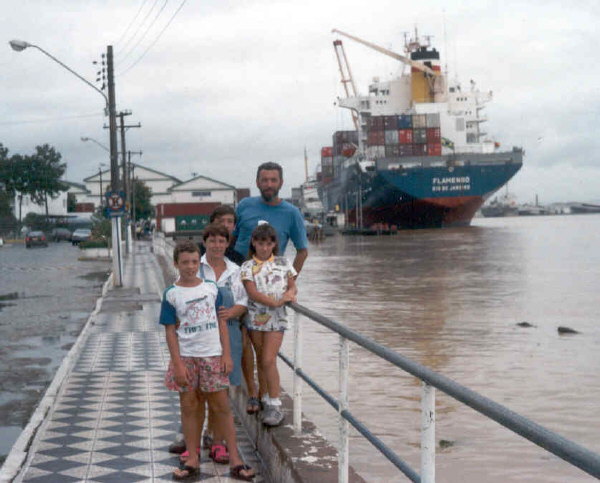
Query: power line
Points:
[131, 23]
[155, 40]
[145, 32]
[139, 27]
[49, 119]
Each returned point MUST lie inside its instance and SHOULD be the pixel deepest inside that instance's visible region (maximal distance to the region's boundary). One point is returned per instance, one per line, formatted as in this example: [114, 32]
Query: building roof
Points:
[201, 183]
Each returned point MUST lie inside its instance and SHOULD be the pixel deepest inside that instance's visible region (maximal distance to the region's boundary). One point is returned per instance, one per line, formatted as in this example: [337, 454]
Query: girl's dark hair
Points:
[264, 232]
[215, 229]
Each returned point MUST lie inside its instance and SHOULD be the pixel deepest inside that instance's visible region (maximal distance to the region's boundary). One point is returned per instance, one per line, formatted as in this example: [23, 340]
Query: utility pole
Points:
[114, 169]
[122, 114]
[131, 192]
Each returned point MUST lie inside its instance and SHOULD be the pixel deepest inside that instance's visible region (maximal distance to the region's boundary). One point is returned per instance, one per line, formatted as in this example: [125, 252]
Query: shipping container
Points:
[375, 152]
[434, 149]
[327, 161]
[376, 138]
[390, 123]
[419, 149]
[392, 151]
[327, 152]
[405, 136]
[327, 171]
[419, 136]
[391, 137]
[433, 135]
[405, 121]
[406, 150]
[433, 120]
[419, 120]
[376, 123]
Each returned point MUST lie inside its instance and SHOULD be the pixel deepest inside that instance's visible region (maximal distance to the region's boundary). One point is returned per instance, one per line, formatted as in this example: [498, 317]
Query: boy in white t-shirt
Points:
[200, 359]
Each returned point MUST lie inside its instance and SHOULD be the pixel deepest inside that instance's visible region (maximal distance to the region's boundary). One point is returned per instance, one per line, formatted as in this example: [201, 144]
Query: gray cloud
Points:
[232, 84]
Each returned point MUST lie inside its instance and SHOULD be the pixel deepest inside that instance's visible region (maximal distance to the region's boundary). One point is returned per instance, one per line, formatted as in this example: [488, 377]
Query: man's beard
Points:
[269, 197]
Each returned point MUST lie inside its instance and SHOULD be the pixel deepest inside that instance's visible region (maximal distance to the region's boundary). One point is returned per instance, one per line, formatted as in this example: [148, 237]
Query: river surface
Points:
[451, 299]
[46, 296]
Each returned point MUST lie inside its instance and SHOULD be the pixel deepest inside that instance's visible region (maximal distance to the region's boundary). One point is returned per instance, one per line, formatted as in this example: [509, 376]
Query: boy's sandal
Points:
[190, 473]
[219, 454]
[236, 473]
[185, 455]
[253, 405]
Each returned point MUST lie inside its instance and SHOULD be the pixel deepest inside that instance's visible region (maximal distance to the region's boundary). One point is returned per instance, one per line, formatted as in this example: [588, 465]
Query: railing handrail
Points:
[565, 449]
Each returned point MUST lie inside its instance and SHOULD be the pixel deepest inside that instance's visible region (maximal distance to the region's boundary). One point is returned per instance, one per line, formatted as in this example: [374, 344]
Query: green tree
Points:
[46, 170]
[15, 176]
[142, 195]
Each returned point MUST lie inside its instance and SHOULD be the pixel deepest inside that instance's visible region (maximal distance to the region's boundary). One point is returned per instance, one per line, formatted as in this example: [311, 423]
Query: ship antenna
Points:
[445, 45]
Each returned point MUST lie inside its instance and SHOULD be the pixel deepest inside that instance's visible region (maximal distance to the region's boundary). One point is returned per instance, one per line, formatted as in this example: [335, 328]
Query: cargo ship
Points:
[418, 156]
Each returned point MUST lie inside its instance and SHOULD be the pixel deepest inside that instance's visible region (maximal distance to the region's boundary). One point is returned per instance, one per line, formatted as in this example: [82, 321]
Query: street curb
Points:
[16, 460]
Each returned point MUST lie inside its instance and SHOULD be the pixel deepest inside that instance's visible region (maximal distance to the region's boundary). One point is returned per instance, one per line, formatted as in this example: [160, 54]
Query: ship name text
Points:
[451, 183]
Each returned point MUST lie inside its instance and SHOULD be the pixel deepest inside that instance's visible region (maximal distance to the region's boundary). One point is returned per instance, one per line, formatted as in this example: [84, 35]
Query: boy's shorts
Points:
[205, 372]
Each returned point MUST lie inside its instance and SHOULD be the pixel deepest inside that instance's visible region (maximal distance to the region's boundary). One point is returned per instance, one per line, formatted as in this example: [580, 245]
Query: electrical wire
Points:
[119, 53]
[155, 40]
[131, 23]
[49, 119]
[145, 32]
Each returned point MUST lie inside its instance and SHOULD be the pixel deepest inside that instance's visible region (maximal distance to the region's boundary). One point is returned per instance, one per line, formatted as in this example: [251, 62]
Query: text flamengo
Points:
[451, 183]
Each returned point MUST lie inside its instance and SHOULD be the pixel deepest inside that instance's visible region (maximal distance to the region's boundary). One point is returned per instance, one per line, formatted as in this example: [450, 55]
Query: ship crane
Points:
[390, 53]
[346, 74]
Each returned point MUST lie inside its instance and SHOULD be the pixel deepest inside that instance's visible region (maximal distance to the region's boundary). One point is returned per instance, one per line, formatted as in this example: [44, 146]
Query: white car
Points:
[81, 234]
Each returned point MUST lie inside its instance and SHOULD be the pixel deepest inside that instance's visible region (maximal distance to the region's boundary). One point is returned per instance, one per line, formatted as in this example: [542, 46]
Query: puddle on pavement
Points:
[9, 435]
[101, 276]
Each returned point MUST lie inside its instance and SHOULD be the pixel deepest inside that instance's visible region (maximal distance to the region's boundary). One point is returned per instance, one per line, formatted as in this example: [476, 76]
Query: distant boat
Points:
[532, 210]
[584, 208]
[504, 205]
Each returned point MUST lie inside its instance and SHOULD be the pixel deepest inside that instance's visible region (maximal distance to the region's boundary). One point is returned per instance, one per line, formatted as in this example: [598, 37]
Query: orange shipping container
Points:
[434, 149]
[405, 136]
[376, 138]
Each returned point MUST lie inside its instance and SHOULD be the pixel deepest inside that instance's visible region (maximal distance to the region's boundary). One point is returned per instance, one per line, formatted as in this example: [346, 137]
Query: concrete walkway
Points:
[111, 418]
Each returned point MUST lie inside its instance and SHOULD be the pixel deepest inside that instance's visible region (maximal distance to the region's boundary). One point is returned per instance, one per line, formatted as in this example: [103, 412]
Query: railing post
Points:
[427, 433]
[343, 455]
[297, 379]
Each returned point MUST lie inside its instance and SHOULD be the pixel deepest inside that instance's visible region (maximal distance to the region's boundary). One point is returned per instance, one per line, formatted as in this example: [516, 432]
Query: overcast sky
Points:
[231, 84]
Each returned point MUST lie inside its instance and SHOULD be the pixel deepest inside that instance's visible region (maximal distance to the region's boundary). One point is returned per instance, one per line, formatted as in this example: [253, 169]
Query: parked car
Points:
[36, 238]
[81, 234]
[58, 234]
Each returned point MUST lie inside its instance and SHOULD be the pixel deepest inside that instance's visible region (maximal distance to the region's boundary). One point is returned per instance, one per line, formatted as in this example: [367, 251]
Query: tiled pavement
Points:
[113, 419]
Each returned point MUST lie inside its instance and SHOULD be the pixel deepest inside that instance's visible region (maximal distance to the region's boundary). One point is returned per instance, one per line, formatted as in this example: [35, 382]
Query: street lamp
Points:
[110, 109]
[84, 139]
[20, 45]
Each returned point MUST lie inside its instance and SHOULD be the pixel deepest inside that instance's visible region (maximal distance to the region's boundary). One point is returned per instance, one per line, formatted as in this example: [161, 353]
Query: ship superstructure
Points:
[419, 155]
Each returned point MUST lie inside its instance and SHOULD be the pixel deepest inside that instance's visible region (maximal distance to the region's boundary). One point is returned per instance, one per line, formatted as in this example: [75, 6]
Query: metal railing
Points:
[565, 449]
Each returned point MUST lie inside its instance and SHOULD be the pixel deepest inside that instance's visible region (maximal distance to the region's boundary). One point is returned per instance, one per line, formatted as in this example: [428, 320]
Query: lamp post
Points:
[85, 138]
[110, 109]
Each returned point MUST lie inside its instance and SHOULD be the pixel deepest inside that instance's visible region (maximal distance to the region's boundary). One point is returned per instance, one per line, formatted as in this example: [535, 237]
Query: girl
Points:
[270, 283]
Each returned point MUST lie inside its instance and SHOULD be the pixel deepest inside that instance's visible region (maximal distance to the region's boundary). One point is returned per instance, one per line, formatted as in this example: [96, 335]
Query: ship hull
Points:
[424, 196]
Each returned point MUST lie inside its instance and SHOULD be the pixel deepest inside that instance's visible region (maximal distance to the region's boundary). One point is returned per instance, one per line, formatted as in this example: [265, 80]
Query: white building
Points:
[159, 184]
[56, 206]
[202, 189]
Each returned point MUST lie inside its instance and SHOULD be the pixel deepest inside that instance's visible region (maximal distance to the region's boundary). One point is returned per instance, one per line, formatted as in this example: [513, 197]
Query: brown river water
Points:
[451, 300]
